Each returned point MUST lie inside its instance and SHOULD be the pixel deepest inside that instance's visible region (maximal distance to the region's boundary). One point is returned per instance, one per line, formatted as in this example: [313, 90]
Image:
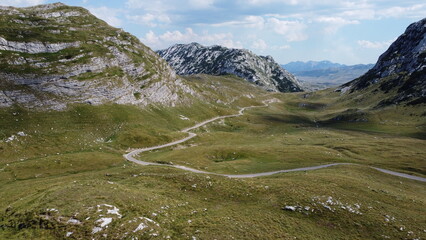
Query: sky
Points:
[346, 31]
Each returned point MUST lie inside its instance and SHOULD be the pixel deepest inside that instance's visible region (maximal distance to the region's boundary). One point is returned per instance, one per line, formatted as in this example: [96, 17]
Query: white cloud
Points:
[168, 38]
[229, 43]
[109, 15]
[264, 2]
[303, 3]
[418, 10]
[136, 4]
[334, 23]
[366, 11]
[357, 4]
[157, 6]
[169, 5]
[255, 22]
[359, 14]
[149, 19]
[292, 31]
[259, 44]
[369, 44]
[21, 3]
[200, 4]
[336, 20]
[284, 47]
[341, 52]
[374, 45]
[248, 21]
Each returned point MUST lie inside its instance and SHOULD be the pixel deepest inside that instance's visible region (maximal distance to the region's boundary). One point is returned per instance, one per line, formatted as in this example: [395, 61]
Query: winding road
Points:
[131, 155]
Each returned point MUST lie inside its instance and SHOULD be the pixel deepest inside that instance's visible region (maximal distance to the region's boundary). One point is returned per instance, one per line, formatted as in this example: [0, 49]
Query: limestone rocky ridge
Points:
[188, 59]
[400, 72]
[54, 55]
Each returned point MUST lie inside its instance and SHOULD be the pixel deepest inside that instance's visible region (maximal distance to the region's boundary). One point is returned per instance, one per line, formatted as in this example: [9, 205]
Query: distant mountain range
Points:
[300, 66]
[188, 59]
[315, 75]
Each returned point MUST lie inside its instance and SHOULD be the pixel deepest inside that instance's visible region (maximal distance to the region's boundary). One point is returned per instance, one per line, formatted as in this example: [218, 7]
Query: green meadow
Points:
[299, 132]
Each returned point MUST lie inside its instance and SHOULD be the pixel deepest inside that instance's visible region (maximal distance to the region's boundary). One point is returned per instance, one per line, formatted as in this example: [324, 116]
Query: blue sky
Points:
[347, 31]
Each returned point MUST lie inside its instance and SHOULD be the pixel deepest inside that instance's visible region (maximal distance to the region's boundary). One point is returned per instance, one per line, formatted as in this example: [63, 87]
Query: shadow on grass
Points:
[287, 119]
[311, 106]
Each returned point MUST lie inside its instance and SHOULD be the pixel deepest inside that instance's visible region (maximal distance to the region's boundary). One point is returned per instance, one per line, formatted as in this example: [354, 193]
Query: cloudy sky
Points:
[343, 31]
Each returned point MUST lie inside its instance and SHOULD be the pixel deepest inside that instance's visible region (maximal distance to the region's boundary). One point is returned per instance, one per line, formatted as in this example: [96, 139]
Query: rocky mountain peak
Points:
[54, 55]
[400, 71]
[193, 58]
[193, 44]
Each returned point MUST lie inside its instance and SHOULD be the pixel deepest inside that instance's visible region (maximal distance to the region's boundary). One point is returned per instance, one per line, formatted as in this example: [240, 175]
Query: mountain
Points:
[194, 58]
[55, 55]
[324, 74]
[300, 66]
[400, 73]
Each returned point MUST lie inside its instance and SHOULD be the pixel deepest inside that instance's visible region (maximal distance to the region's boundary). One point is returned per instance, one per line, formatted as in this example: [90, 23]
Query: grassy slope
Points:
[113, 128]
[89, 170]
[187, 205]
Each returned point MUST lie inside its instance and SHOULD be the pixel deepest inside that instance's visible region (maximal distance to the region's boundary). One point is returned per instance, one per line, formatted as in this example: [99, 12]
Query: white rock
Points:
[141, 226]
[291, 208]
[104, 222]
[74, 221]
[96, 230]
[34, 47]
[22, 134]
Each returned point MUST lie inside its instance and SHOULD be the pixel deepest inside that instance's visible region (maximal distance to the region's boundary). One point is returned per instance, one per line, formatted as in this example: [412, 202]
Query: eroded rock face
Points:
[402, 68]
[187, 59]
[65, 55]
[35, 47]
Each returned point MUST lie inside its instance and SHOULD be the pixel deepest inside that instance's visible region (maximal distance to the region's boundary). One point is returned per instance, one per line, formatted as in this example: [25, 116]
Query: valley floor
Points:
[131, 156]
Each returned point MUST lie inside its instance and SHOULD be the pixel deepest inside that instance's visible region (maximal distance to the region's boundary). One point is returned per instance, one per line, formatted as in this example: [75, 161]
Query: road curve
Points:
[131, 155]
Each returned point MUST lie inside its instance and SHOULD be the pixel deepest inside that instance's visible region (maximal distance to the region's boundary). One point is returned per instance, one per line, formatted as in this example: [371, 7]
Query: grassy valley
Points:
[267, 139]
[63, 174]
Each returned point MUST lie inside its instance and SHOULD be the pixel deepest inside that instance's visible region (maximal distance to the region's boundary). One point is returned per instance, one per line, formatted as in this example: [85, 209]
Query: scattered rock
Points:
[290, 208]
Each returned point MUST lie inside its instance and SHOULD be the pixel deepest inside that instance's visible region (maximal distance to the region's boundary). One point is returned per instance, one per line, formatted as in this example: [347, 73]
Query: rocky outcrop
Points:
[400, 72]
[187, 59]
[65, 56]
[35, 47]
